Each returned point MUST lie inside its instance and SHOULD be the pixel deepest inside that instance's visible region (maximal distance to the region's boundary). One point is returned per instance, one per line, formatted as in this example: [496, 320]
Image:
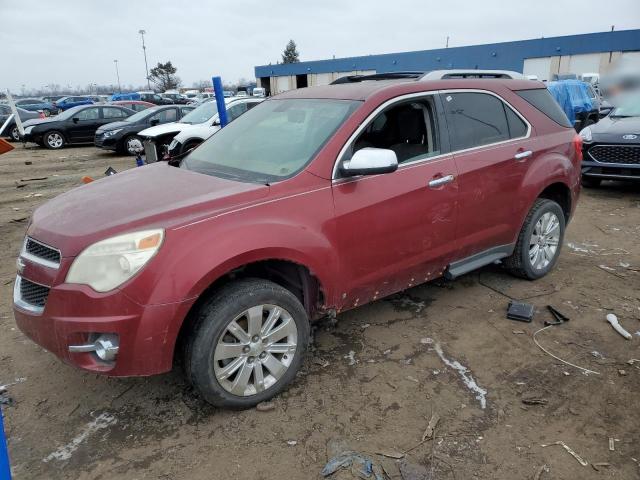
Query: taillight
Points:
[577, 145]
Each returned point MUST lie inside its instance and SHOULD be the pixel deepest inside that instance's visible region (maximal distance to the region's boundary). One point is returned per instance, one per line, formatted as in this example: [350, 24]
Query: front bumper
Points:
[57, 315]
[108, 143]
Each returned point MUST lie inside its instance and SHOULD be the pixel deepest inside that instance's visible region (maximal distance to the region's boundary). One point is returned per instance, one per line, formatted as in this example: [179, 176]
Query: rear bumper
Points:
[75, 314]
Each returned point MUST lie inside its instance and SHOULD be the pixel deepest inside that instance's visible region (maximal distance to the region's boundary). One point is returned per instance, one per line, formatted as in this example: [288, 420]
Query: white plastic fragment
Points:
[613, 320]
[103, 420]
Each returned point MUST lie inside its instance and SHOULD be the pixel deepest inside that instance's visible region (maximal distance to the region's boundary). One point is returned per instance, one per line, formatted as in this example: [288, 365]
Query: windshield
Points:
[141, 115]
[201, 114]
[629, 107]
[272, 141]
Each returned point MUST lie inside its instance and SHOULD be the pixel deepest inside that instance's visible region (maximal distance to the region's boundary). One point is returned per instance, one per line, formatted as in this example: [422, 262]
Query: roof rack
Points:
[379, 76]
[471, 73]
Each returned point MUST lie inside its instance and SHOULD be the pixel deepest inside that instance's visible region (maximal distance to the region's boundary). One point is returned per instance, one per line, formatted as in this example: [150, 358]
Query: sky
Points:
[75, 42]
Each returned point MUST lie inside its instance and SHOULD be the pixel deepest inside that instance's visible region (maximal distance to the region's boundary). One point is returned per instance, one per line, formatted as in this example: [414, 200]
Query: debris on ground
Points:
[412, 471]
[543, 468]
[362, 466]
[612, 445]
[535, 401]
[521, 312]
[391, 454]
[580, 460]
[265, 406]
[535, 340]
[559, 317]
[596, 466]
[613, 320]
[431, 427]
[351, 356]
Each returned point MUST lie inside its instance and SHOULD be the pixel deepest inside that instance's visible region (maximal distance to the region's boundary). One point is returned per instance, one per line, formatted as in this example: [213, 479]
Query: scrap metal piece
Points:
[580, 460]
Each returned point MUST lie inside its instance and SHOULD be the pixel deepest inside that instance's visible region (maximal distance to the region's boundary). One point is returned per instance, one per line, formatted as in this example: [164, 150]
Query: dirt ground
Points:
[373, 380]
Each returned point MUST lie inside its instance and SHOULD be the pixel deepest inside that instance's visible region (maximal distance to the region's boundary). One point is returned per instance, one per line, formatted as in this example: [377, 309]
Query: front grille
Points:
[623, 154]
[42, 251]
[32, 293]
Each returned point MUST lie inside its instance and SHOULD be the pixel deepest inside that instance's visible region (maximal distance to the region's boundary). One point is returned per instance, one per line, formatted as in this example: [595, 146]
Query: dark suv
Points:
[314, 202]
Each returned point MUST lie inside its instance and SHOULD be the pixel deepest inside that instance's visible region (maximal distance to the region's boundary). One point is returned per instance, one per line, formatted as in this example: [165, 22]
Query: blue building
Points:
[542, 57]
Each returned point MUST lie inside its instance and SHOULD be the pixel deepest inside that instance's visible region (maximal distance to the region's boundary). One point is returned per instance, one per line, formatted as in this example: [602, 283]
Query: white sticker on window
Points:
[449, 98]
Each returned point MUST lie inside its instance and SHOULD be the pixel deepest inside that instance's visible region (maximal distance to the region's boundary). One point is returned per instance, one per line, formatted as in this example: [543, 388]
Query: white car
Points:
[193, 128]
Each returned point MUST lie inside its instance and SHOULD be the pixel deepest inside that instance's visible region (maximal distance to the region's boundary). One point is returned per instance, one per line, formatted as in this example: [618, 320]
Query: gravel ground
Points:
[372, 381]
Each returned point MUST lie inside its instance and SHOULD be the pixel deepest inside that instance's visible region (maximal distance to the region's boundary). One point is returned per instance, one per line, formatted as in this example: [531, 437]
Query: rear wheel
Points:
[539, 242]
[590, 182]
[53, 140]
[247, 344]
[15, 133]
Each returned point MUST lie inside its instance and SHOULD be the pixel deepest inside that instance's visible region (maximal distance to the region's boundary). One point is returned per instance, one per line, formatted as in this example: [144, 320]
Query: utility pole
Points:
[447, 45]
[144, 50]
[118, 74]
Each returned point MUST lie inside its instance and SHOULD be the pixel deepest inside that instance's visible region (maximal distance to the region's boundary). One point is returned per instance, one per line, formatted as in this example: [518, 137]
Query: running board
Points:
[466, 265]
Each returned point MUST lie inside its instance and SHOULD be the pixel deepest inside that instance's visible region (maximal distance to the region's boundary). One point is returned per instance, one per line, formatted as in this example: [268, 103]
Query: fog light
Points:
[105, 347]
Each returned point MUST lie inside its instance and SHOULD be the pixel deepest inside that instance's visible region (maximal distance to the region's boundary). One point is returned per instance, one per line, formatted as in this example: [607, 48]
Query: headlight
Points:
[585, 134]
[109, 263]
[28, 129]
[111, 133]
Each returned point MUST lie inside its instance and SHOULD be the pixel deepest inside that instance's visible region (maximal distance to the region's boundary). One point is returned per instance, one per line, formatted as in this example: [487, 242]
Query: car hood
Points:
[612, 129]
[163, 129]
[38, 121]
[199, 130]
[114, 126]
[153, 196]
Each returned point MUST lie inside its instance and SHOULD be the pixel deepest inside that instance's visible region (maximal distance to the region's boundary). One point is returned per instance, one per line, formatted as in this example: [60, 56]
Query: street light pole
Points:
[118, 74]
[144, 50]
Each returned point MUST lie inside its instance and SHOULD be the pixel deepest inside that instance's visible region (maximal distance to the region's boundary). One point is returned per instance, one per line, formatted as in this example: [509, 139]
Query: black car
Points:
[76, 125]
[611, 147]
[123, 136]
[11, 130]
[155, 99]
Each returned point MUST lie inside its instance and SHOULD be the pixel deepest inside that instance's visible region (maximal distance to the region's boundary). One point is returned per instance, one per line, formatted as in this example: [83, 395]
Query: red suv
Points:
[314, 202]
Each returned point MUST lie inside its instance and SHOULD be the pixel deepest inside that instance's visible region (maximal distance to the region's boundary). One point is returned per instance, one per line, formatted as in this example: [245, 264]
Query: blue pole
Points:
[5, 470]
[222, 109]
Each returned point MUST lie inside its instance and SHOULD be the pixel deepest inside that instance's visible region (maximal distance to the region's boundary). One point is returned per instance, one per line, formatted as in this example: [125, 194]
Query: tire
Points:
[233, 381]
[53, 140]
[590, 182]
[14, 133]
[131, 143]
[521, 263]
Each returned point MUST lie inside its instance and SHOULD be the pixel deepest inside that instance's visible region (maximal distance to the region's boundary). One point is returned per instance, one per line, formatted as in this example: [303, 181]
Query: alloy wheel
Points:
[544, 241]
[255, 350]
[15, 134]
[55, 140]
[134, 145]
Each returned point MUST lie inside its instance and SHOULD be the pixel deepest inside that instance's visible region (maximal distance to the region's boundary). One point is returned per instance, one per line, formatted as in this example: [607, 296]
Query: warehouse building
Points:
[542, 57]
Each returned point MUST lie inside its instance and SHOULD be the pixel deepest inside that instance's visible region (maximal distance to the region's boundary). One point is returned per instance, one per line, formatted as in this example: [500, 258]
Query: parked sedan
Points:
[65, 103]
[37, 104]
[122, 136]
[611, 147]
[76, 125]
[11, 131]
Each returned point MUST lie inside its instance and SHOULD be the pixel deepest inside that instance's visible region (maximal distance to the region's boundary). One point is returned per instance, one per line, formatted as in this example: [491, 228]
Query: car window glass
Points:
[165, 116]
[236, 110]
[517, 127]
[88, 114]
[408, 128]
[250, 105]
[541, 99]
[475, 119]
[137, 107]
[110, 112]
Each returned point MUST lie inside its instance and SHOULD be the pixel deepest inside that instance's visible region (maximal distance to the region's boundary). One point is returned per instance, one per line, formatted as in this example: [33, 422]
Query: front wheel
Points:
[133, 145]
[539, 242]
[15, 134]
[53, 140]
[247, 344]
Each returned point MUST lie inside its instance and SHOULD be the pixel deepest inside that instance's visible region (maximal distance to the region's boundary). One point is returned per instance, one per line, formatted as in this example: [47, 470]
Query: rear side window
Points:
[475, 119]
[543, 101]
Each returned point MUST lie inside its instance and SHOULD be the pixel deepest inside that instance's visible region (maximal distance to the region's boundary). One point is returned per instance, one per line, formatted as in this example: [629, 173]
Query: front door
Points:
[83, 125]
[493, 151]
[397, 230]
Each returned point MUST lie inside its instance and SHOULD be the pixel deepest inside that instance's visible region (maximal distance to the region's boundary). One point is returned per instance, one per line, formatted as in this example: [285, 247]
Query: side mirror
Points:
[370, 161]
[75, 119]
[154, 122]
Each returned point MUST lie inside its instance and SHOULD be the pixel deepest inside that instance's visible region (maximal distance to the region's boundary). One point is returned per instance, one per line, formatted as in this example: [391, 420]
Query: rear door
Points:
[397, 229]
[492, 148]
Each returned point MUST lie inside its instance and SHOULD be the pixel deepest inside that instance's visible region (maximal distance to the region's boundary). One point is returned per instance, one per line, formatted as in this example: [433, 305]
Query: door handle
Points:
[523, 155]
[438, 182]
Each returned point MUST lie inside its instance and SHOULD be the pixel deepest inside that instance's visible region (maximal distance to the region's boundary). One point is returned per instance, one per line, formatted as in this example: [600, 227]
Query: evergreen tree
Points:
[290, 54]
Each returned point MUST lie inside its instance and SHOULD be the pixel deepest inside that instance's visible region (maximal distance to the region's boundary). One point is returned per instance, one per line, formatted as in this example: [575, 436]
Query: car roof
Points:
[367, 88]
